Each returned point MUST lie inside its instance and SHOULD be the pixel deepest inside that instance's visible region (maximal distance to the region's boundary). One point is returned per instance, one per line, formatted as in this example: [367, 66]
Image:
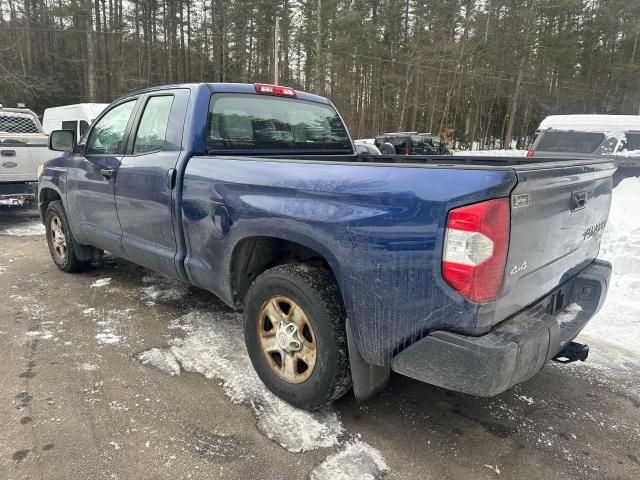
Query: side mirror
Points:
[62, 141]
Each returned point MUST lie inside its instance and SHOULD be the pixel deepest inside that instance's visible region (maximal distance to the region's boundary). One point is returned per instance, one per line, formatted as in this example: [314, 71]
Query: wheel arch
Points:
[46, 195]
[253, 255]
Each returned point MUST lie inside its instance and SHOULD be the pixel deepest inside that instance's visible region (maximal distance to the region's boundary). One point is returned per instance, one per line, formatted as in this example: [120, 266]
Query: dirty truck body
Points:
[467, 273]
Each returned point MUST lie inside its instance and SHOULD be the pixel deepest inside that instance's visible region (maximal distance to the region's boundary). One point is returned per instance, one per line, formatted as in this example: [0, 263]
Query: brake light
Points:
[529, 153]
[475, 249]
[265, 89]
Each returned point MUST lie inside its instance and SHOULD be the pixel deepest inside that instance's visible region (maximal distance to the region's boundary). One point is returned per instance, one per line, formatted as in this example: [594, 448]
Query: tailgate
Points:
[20, 159]
[558, 216]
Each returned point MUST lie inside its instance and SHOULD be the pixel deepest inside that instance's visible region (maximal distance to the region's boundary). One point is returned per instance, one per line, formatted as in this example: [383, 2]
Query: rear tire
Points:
[61, 244]
[294, 328]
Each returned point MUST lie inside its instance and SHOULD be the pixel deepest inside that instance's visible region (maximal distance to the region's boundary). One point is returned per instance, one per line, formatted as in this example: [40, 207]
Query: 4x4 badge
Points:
[518, 268]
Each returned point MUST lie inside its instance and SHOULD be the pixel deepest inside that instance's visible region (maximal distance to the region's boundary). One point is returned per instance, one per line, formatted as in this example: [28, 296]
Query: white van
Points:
[72, 117]
[592, 136]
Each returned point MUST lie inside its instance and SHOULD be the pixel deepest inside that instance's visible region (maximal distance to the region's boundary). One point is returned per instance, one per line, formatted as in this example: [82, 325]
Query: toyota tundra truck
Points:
[469, 273]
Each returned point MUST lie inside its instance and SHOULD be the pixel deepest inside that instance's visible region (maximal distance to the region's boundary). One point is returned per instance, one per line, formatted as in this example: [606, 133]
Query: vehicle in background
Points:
[411, 143]
[76, 118]
[23, 148]
[464, 272]
[365, 147]
[592, 136]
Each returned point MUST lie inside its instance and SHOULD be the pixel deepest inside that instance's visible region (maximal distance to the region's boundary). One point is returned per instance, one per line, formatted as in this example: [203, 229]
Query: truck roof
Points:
[223, 87]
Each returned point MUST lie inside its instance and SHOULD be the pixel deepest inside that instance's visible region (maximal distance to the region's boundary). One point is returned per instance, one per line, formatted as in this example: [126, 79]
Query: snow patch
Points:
[162, 289]
[163, 360]
[107, 338]
[25, 230]
[40, 334]
[355, 460]
[109, 333]
[525, 399]
[618, 323]
[214, 347]
[101, 282]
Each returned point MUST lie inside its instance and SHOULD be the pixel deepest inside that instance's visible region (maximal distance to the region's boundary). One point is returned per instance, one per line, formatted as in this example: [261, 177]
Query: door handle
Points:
[8, 153]
[107, 172]
[171, 178]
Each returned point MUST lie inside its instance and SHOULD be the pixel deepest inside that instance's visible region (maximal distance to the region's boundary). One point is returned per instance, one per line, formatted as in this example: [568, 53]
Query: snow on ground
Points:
[356, 460]
[24, 229]
[490, 153]
[162, 289]
[109, 324]
[163, 360]
[101, 282]
[618, 323]
[40, 334]
[213, 346]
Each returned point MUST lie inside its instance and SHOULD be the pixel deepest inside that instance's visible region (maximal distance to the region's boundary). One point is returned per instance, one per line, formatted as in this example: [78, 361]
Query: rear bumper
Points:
[18, 193]
[514, 350]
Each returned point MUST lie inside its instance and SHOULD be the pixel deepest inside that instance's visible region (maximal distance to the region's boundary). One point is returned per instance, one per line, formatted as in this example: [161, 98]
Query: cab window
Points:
[108, 134]
[153, 125]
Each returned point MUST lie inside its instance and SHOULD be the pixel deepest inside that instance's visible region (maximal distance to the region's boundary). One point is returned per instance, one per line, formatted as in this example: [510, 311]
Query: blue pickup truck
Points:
[465, 272]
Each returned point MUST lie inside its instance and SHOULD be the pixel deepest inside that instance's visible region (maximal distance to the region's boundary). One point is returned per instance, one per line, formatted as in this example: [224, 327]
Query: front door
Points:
[146, 181]
[91, 180]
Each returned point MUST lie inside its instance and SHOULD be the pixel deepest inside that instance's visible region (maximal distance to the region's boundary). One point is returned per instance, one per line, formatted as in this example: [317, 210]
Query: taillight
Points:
[265, 89]
[529, 153]
[475, 249]
[406, 151]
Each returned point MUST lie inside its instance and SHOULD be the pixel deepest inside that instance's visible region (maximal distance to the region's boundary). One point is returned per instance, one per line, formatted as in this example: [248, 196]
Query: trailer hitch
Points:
[572, 353]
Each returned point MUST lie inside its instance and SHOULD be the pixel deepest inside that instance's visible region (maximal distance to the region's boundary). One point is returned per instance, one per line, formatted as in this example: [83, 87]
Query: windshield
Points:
[274, 125]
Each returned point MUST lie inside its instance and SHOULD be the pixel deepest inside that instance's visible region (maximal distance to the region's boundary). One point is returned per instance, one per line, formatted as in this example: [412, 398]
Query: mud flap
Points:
[368, 379]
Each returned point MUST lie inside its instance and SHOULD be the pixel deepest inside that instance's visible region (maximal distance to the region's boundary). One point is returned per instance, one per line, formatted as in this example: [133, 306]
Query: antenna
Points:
[276, 51]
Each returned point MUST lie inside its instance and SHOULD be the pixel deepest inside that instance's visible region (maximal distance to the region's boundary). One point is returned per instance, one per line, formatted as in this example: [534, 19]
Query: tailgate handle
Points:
[8, 153]
[578, 200]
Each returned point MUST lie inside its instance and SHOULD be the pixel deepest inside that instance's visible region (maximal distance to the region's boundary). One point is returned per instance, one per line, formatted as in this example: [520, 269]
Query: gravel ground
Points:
[118, 373]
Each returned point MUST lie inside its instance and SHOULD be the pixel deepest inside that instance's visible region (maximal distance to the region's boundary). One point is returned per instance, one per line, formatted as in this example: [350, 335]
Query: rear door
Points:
[558, 215]
[91, 180]
[146, 180]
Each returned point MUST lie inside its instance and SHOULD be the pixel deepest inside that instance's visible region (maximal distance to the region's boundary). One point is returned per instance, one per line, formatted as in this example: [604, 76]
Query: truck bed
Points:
[381, 229]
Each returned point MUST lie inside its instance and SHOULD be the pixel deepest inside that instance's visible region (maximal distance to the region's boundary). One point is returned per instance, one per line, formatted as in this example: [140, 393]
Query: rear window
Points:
[399, 142]
[572, 142]
[17, 123]
[632, 142]
[274, 124]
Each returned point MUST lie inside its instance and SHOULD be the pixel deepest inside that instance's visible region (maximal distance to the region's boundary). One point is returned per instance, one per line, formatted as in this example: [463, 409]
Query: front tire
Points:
[294, 328]
[61, 244]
